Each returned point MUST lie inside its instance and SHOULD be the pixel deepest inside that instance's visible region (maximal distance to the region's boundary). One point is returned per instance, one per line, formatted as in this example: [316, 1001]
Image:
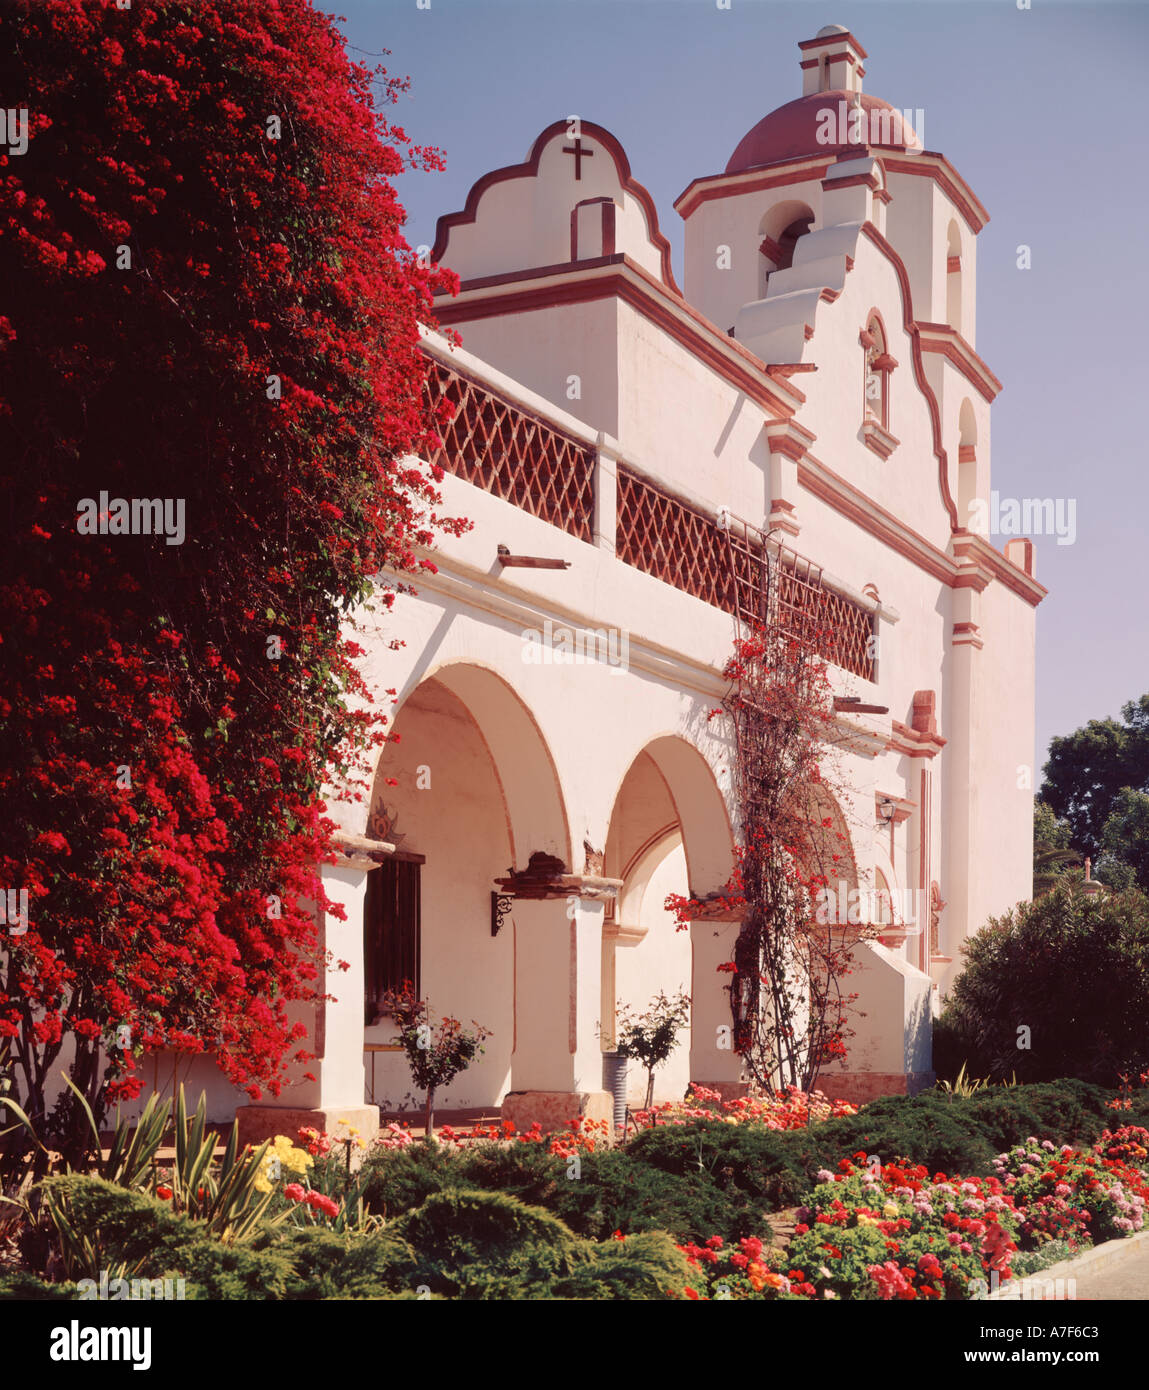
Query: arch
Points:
[829, 837]
[779, 230]
[696, 805]
[465, 791]
[525, 769]
[953, 275]
[669, 832]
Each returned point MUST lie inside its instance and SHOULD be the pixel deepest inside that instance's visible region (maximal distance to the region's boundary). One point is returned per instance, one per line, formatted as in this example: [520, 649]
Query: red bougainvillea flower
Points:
[174, 703]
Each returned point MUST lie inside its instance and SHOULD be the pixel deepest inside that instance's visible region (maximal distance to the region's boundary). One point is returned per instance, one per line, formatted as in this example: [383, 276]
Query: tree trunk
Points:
[429, 1116]
[649, 1088]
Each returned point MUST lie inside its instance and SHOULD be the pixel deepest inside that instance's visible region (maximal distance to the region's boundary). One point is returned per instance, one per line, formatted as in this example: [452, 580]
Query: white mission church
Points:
[618, 435]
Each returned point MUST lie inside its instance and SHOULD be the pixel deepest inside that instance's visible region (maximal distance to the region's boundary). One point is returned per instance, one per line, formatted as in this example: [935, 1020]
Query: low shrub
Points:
[606, 1191]
[644, 1266]
[763, 1165]
[1075, 970]
[18, 1284]
[483, 1244]
[486, 1245]
[324, 1264]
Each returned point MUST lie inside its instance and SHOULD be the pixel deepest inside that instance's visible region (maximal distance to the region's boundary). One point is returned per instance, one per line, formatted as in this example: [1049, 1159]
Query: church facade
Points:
[812, 386]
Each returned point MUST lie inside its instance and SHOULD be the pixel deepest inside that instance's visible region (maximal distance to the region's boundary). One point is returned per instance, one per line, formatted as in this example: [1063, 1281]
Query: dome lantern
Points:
[832, 61]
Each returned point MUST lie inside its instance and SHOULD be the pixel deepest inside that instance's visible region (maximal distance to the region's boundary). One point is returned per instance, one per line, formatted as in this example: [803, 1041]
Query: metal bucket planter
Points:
[614, 1083]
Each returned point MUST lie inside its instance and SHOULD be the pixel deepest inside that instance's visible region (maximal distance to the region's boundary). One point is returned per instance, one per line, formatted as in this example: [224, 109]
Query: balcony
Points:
[534, 464]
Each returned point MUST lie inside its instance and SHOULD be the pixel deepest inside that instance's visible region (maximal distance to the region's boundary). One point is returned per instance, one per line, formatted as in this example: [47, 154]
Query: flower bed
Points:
[1067, 1194]
[788, 1109]
[580, 1136]
[893, 1232]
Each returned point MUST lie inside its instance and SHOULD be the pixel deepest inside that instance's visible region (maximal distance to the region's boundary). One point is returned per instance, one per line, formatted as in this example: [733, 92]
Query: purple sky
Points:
[1043, 112]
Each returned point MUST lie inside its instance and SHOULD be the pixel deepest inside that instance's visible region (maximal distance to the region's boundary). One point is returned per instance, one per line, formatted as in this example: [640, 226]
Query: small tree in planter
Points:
[435, 1054]
[652, 1036]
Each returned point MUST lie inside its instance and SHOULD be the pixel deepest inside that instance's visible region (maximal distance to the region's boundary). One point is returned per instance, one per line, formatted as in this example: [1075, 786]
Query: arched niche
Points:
[779, 231]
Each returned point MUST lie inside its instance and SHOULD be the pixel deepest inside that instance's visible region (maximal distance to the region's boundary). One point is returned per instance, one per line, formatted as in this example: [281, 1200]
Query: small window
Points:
[878, 364]
[391, 920]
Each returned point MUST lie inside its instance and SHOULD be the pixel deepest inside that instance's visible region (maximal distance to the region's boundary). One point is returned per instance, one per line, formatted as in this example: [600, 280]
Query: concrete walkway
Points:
[1117, 1270]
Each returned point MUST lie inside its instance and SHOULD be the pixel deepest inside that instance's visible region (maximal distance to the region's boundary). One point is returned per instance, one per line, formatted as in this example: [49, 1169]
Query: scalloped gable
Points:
[524, 216]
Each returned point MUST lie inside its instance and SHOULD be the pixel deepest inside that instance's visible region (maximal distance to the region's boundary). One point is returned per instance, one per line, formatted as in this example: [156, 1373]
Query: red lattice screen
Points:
[664, 537]
[506, 451]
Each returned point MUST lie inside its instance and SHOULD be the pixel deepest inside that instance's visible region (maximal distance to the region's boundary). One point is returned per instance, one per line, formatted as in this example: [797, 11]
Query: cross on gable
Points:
[579, 153]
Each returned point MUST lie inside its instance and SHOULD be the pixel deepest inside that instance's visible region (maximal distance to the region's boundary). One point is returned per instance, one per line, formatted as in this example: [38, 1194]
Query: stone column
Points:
[713, 1061]
[334, 1100]
[556, 1065]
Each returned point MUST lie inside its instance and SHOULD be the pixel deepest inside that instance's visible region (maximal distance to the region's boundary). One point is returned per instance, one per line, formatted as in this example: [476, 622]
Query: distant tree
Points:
[1088, 770]
[1125, 842]
[1053, 855]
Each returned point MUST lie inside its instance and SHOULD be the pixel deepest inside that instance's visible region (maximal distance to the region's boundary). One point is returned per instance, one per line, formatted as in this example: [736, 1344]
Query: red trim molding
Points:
[946, 340]
[869, 230]
[948, 180]
[806, 168]
[807, 44]
[618, 276]
[530, 170]
[913, 742]
[849, 502]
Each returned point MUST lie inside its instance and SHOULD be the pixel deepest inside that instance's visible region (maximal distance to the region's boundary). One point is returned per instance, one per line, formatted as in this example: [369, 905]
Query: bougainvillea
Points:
[207, 302]
[790, 1002]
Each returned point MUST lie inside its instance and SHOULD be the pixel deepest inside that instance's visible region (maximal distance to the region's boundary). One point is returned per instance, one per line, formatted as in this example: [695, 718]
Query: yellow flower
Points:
[291, 1158]
[890, 1210]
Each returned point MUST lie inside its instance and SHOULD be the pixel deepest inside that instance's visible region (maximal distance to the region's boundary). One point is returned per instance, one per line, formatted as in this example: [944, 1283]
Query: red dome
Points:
[791, 132]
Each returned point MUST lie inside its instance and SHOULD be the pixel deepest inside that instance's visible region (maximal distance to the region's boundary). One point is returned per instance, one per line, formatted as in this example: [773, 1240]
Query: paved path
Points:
[1115, 1271]
[1126, 1278]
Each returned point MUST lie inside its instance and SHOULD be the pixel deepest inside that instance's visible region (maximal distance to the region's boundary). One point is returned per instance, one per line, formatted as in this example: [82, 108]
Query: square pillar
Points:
[556, 1065]
[713, 1061]
[334, 1100]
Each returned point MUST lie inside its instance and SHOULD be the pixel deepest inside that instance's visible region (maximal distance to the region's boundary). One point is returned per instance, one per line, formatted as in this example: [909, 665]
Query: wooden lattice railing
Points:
[664, 537]
[534, 465]
[506, 451]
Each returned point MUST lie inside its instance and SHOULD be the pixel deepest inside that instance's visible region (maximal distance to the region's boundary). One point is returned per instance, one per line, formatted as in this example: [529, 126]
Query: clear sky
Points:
[1045, 112]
